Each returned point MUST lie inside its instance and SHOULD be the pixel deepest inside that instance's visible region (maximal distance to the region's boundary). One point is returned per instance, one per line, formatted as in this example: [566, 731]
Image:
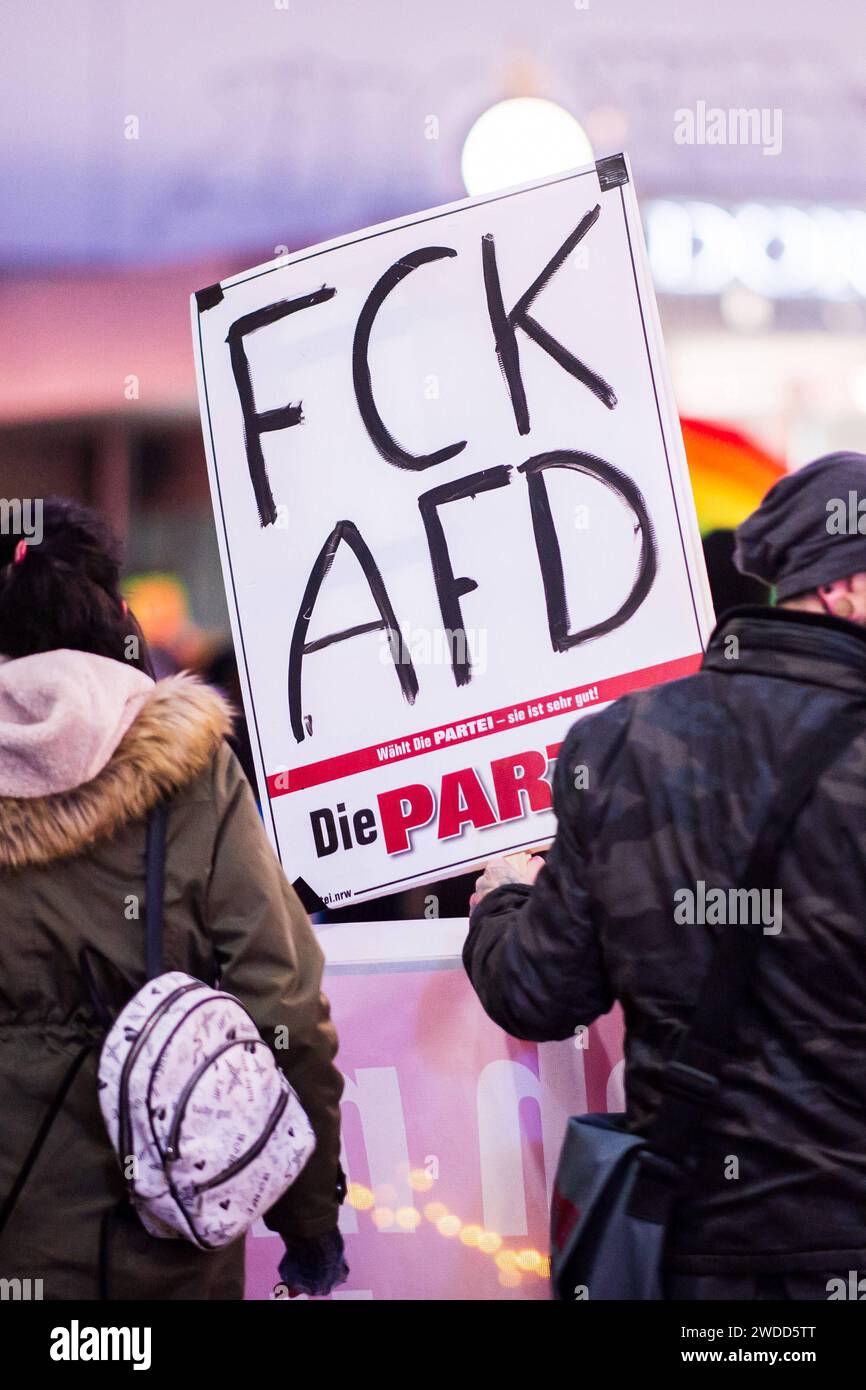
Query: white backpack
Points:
[208, 1131]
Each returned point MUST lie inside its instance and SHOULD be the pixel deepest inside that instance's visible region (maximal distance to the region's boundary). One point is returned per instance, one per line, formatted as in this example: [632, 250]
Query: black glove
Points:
[316, 1265]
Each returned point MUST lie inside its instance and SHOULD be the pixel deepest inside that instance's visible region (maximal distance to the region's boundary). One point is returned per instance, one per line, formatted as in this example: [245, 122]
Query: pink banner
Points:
[451, 1132]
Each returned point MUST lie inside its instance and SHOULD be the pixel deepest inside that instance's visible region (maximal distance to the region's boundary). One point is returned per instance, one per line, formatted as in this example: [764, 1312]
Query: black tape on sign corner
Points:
[209, 298]
[310, 900]
[612, 171]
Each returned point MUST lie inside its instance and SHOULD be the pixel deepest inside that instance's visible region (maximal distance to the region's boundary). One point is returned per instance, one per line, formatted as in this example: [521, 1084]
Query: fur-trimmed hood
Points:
[176, 729]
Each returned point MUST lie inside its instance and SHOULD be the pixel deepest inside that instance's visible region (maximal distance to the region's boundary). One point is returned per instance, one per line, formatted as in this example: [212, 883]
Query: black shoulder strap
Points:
[42, 1132]
[154, 891]
[691, 1078]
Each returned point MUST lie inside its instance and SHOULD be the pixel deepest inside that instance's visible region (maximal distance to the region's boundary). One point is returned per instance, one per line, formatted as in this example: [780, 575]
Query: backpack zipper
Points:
[123, 1132]
[170, 1152]
[253, 1151]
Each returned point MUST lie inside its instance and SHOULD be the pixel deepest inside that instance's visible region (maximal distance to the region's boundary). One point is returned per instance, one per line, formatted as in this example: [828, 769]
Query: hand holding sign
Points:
[512, 868]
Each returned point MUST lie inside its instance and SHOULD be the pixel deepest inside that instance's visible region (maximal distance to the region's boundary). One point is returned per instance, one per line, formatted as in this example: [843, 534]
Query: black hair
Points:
[63, 590]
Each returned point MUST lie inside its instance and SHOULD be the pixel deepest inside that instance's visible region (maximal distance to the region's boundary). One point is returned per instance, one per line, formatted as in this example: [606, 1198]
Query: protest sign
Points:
[453, 514]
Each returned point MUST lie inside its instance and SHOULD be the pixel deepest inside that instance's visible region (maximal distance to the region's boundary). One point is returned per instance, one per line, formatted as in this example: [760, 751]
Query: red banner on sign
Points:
[573, 700]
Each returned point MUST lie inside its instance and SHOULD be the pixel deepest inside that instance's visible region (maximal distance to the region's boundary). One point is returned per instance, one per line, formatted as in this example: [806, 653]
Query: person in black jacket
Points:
[659, 799]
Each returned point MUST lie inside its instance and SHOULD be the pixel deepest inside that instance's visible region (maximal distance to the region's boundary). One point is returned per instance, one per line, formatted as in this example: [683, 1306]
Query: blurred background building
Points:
[150, 148]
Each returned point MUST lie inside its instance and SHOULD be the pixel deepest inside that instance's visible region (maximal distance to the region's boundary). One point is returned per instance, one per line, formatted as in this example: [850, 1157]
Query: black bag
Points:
[614, 1191]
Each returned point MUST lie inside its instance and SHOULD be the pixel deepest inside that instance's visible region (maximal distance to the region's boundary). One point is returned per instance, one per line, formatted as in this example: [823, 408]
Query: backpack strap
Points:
[42, 1132]
[154, 891]
[691, 1079]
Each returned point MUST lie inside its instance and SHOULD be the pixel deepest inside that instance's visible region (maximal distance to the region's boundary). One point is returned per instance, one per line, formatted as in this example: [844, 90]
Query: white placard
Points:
[453, 513]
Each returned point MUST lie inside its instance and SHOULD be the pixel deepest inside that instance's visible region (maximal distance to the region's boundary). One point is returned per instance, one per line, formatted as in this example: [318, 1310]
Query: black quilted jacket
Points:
[680, 779]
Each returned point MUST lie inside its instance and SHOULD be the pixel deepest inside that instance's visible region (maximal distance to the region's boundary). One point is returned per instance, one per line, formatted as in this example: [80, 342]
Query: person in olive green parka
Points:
[89, 743]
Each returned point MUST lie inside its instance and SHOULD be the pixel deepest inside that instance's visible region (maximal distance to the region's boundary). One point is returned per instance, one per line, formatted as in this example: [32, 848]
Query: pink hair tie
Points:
[20, 552]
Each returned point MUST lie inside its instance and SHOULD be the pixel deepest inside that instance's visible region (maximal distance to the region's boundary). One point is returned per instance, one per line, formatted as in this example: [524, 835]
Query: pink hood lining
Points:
[62, 715]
